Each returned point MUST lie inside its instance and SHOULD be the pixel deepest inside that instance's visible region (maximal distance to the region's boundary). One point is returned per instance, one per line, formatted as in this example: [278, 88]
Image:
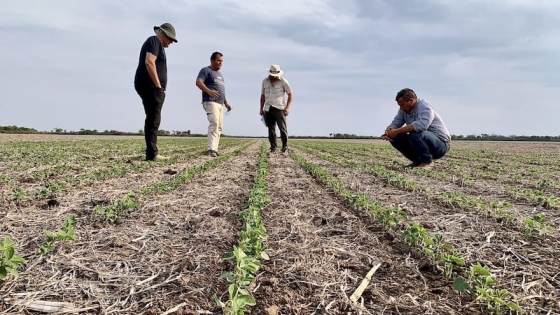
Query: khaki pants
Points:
[214, 112]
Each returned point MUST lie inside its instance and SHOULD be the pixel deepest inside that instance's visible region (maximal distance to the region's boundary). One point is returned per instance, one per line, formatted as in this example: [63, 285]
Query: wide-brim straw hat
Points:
[275, 71]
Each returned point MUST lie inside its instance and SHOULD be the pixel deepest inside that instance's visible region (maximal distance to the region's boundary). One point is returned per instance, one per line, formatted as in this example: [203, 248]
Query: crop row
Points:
[537, 196]
[465, 171]
[10, 261]
[477, 280]
[51, 187]
[500, 209]
[250, 248]
[132, 200]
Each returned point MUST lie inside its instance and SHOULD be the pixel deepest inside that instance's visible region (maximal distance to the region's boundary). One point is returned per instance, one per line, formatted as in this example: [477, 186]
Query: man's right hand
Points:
[213, 93]
[261, 112]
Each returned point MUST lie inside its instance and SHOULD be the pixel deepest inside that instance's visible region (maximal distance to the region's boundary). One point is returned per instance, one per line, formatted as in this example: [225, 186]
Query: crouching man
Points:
[417, 131]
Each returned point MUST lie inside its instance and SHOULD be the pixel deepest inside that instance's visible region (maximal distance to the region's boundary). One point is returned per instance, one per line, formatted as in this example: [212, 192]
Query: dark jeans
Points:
[272, 117]
[153, 99]
[420, 147]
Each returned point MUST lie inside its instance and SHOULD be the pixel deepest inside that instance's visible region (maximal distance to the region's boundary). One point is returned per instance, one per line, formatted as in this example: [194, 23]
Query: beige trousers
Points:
[214, 112]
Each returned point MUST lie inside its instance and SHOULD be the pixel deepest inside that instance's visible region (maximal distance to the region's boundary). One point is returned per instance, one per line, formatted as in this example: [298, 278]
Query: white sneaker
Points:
[160, 158]
[426, 166]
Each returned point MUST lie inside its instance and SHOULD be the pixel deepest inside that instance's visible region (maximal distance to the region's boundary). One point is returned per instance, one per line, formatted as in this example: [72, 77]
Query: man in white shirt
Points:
[274, 107]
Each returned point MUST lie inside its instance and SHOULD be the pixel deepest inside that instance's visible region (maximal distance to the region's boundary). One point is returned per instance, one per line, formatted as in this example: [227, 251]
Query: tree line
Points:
[187, 133]
[481, 137]
[82, 131]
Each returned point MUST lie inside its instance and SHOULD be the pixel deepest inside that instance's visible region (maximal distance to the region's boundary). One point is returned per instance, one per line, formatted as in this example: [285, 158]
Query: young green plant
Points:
[9, 260]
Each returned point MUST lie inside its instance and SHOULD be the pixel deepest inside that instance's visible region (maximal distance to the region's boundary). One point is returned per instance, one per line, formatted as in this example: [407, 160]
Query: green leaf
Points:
[479, 269]
[18, 260]
[460, 284]
[428, 240]
[49, 235]
[448, 246]
[264, 256]
[228, 255]
[247, 279]
[218, 302]
[239, 253]
[3, 272]
[246, 300]
[9, 252]
[233, 289]
[243, 292]
[228, 276]
[61, 235]
[45, 249]
[13, 271]
[514, 306]
[458, 261]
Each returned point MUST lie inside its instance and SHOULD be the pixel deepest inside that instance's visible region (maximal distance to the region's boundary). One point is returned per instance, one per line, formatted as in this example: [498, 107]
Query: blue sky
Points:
[488, 66]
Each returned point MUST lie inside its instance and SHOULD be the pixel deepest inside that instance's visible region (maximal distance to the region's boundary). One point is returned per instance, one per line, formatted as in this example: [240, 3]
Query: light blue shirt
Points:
[422, 117]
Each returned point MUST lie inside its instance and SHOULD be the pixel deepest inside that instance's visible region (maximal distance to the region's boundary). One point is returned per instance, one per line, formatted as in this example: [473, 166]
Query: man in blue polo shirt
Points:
[211, 82]
[417, 131]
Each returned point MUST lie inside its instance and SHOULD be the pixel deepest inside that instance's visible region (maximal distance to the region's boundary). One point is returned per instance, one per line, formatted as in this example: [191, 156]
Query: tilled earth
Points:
[321, 250]
[165, 257]
[527, 266]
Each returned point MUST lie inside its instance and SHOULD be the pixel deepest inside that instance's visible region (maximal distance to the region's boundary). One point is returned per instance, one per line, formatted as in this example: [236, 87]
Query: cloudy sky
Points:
[488, 66]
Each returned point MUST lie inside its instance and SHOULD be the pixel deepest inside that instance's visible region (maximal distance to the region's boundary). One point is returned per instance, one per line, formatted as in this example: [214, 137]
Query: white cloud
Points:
[488, 66]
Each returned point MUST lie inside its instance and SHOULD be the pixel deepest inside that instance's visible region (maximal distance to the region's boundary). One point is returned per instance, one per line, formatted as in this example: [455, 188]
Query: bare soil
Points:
[165, 257]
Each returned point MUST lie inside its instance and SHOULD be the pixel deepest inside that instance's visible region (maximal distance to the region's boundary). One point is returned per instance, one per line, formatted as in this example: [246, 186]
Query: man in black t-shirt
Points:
[150, 82]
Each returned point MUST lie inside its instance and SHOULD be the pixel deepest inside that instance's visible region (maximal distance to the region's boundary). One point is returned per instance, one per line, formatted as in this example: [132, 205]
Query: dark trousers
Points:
[420, 147]
[152, 99]
[272, 117]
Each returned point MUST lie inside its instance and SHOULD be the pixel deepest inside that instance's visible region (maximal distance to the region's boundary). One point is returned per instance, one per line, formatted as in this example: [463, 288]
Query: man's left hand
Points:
[286, 112]
[228, 107]
[392, 133]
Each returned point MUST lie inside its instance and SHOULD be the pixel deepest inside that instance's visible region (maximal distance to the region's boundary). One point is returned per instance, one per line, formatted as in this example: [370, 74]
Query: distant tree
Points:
[181, 133]
[16, 129]
[87, 132]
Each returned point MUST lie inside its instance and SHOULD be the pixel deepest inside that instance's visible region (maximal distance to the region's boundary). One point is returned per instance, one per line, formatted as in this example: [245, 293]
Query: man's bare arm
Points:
[150, 62]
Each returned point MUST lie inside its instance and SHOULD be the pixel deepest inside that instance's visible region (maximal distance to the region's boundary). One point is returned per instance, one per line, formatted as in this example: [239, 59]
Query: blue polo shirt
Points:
[214, 81]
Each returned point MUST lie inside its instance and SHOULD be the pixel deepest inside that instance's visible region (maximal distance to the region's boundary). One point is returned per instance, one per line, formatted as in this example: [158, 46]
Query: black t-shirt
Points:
[142, 77]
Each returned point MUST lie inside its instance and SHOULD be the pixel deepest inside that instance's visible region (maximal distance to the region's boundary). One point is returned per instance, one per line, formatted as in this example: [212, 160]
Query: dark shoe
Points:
[272, 150]
[212, 153]
[284, 149]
